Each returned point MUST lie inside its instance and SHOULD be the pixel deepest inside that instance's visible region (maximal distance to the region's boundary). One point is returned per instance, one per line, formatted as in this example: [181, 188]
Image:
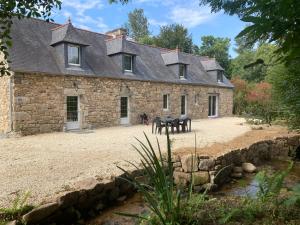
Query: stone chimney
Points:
[119, 32]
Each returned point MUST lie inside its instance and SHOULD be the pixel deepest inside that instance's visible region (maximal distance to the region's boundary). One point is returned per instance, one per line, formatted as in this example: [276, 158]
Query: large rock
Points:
[237, 169]
[40, 213]
[201, 177]
[86, 184]
[236, 175]
[189, 163]
[248, 167]
[181, 178]
[206, 164]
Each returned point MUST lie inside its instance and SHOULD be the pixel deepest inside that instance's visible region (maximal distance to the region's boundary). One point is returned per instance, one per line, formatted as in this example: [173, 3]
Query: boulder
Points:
[201, 177]
[248, 167]
[181, 178]
[86, 184]
[237, 169]
[206, 164]
[40, 213]
[236, 175]
[12, 223]
[189, 163]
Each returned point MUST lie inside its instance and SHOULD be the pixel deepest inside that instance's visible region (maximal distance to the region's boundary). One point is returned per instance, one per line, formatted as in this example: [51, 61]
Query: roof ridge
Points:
[147, 45]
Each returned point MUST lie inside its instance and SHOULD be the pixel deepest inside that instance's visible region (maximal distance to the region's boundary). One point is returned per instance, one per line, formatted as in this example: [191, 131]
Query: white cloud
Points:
[155, 22]
[190, 17]
[86, 22]
[81, 6]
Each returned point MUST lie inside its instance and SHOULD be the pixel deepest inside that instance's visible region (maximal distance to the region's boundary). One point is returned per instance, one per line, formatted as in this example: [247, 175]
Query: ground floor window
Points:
[213, 105]
[124, 107]
[72, 108]
[166, 102]
[183, 105]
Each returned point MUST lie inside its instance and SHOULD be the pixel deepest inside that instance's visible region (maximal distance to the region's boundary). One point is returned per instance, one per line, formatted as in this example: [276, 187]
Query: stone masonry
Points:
[4, 104]
[39, 101]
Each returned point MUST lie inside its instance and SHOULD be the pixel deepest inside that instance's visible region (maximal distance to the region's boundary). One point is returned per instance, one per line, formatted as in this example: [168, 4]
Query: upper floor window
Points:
[74, 55]
[128, 63]
[182, 71]
[220, 76]
[165, 102]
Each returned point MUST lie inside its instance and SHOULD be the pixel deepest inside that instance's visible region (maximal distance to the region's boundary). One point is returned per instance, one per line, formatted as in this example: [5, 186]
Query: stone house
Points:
[68, 78]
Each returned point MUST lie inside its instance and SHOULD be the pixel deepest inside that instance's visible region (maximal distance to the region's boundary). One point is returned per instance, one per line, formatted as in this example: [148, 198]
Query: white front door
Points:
[213, 106]
[124, 111]
[72, 113]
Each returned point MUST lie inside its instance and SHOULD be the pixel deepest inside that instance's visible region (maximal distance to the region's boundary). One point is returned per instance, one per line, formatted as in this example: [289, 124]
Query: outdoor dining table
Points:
[168, 121]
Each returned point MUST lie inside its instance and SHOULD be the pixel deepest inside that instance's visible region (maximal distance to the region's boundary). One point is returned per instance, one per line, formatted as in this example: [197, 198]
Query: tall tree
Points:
[253, 64]
[173, 36]
[20, 9]
[216, 47]
[137, 25]
[270, 20]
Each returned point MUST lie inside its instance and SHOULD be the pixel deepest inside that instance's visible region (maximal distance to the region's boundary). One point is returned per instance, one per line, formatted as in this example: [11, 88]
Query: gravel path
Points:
[46, 164]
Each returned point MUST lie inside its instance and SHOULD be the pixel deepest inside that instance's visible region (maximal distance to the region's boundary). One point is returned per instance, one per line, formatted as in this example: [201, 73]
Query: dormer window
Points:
[182, 71]
[220, 76]
[128, 63]
[74, 55]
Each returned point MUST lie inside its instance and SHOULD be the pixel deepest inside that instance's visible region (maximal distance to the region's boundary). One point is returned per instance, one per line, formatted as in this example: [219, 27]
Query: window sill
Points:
[182, 78]
[165, 110]
[129, 73]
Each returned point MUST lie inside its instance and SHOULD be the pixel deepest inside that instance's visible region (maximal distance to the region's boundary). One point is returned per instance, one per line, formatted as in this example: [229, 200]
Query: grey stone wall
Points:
[39, 103]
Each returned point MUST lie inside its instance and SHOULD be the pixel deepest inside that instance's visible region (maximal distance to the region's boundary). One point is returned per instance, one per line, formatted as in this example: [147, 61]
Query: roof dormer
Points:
[68, 34]
[69, 46]
[117, 43]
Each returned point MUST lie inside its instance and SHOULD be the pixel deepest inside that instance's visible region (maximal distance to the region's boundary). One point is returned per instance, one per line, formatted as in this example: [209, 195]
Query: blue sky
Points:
[100, 16]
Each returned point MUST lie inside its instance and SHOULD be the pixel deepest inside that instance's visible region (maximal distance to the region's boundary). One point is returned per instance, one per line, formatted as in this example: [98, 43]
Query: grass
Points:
[18, 208]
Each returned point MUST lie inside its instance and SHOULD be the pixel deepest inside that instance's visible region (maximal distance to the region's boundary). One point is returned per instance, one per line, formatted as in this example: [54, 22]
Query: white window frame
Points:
[79, 53]
[220, 73]
[131, 56]
[184, 72]
[217, 105]
[166, 109]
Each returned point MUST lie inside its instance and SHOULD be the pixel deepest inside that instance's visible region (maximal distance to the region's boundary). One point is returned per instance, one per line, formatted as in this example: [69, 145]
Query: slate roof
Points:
[211, 64]
[32, 51]
[66, 33]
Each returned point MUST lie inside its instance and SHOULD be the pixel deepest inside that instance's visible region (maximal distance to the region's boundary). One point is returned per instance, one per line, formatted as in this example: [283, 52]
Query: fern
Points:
[18, 208]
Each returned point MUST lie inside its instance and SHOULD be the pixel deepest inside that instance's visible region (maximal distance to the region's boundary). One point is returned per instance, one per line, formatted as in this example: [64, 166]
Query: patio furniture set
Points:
[182, 124]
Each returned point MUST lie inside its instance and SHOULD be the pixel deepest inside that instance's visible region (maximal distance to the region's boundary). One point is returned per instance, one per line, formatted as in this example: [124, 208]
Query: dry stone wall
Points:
[92, 196]
[209, 172]
[39, 103]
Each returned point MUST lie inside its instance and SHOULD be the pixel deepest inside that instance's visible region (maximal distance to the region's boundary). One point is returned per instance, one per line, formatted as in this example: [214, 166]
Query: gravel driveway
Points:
[46, 164]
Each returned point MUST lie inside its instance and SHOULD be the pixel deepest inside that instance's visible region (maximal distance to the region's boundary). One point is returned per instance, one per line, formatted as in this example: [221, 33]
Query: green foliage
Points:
[159, 194]
[18, 208]
[294, 199]
[286, 86]
[270, 185]
[137, 26]
[21, 8]
[255, 72]
[216, 47]
[173, 36]
[269, 20]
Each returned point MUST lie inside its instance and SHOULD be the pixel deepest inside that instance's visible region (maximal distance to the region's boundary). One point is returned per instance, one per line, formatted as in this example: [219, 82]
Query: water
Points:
[249, 186]
[246, 186]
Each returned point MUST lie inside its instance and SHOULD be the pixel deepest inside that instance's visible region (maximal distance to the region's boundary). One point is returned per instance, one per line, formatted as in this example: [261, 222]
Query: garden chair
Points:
[175, 124]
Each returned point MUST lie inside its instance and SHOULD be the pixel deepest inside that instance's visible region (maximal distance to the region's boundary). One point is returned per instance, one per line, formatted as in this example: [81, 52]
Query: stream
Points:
[245, 186]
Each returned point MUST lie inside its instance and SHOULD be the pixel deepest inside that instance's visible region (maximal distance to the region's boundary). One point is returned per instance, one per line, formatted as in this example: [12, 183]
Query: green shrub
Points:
[18, 208]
